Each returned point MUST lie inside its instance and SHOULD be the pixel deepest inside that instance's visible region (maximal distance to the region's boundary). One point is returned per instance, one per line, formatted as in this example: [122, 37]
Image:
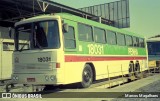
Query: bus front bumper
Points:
[43, 79]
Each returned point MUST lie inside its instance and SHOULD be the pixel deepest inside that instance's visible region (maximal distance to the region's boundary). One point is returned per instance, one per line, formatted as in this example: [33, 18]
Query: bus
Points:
[65, 49]
[153, 51]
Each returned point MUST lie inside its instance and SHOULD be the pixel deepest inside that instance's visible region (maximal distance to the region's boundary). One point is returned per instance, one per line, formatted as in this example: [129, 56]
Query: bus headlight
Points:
[47, 78]
[52, 77]
[15, 77]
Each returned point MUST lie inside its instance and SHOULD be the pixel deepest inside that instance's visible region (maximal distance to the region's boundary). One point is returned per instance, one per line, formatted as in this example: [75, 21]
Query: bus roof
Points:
[96, 24]
[81, 20]
[153, 39]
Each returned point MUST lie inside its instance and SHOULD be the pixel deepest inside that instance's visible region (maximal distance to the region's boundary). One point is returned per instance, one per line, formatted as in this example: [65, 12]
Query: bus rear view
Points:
[37, 61]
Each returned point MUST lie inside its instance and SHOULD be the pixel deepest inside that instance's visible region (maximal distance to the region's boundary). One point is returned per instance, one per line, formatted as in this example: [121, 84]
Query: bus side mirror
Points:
[10, 32]
[65, 28]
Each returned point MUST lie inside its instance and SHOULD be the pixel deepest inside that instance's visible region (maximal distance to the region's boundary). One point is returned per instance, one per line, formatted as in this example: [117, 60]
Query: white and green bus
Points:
[65, 49]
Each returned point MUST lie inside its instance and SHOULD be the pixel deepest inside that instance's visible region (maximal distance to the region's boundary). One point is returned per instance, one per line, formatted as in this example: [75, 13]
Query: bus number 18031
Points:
[95, 49]
[44, 59]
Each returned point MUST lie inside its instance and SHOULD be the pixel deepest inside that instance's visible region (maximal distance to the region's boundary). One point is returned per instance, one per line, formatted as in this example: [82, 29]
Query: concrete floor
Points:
[129, 87]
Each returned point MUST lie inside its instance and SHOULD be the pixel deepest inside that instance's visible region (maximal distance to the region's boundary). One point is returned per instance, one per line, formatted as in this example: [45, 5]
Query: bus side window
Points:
[85, 32]
[135, 42]
[129, 41]
[69, 39]
[120, 39]
[111, 37]
[99, 35]
[141, 42]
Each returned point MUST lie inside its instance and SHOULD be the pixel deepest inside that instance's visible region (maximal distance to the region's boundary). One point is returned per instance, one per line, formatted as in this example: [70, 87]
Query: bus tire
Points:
[130, 71]
[87, 76]
[137, 70]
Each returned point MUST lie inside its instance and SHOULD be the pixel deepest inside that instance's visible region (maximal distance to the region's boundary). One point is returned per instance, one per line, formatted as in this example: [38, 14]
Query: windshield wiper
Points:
[23, 46]
[39, 46]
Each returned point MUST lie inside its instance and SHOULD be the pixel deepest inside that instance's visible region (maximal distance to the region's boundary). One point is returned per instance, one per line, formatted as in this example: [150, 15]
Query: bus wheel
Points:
[131, 71]
[137, 70]
[87, 76]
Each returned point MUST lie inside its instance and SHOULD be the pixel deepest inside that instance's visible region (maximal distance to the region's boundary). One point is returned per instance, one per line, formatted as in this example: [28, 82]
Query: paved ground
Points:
[149, 84]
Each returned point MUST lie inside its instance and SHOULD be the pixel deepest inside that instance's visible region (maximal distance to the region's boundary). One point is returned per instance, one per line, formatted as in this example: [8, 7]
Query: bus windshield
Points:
[38, 35]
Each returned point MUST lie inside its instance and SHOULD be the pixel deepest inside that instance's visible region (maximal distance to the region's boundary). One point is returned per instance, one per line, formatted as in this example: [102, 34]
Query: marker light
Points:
[52, 77]
[47, 78]
[57, 65]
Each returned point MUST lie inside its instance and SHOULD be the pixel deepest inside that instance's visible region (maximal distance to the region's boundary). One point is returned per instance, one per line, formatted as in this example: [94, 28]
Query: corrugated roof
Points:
[13, 10]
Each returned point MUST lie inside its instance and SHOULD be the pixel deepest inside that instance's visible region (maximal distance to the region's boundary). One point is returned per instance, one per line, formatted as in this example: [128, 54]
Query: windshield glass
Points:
[37, 35]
